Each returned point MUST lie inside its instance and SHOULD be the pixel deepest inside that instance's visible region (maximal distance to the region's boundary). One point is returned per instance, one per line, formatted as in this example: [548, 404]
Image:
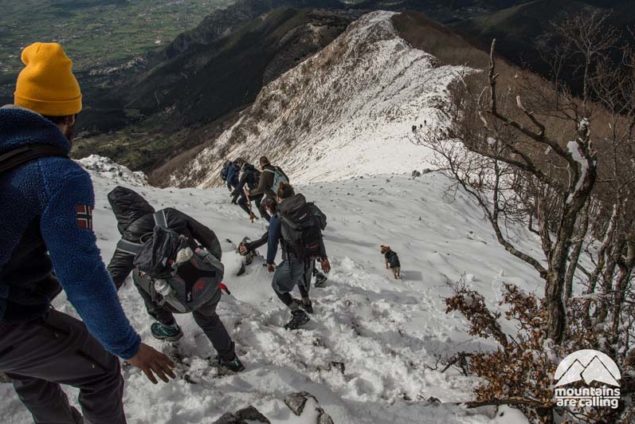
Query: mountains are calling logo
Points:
[587, 365]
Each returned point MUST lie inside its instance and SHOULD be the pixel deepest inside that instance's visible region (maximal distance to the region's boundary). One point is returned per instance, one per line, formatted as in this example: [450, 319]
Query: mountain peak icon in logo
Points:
[587, 365]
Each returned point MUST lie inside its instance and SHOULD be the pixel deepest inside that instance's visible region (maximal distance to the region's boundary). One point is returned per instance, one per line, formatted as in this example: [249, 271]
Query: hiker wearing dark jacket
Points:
[47, 244]
[233, 171]
[135, 219]
[265, 186]
[249, 177]
[294, 270]
[247, 247]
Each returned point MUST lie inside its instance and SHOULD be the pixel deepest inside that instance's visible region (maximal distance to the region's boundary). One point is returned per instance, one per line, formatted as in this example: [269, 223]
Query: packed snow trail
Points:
[367, 354]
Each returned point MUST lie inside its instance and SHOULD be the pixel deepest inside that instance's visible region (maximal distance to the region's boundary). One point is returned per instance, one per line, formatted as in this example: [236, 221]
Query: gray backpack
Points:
[182, 273]
[279, 177]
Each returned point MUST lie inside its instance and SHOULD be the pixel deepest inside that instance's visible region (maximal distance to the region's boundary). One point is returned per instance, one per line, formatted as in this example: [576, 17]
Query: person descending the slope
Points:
[137, 222]
[249, 177]
[225, 170]
[47, 244]
[296, 229]
[232, 176]
[270, 180]
[248, 247]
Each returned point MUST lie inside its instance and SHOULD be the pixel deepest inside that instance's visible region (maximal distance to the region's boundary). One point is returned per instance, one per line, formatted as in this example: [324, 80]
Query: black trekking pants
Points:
[206, 318]
[57, 349]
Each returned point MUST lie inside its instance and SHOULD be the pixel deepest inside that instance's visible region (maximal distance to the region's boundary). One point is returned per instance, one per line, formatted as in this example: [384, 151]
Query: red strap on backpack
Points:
[224, 288]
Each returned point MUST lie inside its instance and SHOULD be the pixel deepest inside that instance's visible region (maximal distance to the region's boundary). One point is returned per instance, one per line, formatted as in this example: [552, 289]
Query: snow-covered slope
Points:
[386, 333]
[347, 111]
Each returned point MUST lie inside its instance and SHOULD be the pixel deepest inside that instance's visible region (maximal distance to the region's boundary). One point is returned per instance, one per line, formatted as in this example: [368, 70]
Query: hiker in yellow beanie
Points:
[47, 85]
[47, 244]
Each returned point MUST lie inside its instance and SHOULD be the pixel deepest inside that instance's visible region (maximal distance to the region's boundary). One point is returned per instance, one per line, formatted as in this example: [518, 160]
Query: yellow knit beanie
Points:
[47, 85]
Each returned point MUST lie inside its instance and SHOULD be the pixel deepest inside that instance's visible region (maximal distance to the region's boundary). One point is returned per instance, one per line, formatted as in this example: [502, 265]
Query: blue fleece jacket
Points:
[50, 190]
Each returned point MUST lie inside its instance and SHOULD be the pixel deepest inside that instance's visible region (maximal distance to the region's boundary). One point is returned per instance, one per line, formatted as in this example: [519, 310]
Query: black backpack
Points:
[301, 229]
[17, 157]
[225, 170]
[318, 214]
[252, 175]
[182, 273]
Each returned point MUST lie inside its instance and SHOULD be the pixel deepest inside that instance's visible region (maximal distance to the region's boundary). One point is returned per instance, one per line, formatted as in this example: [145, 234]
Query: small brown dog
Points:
[392, 260]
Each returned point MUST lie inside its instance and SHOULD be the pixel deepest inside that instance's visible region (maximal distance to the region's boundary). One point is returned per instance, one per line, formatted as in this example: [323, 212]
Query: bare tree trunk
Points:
[623, 279]
[575, 254]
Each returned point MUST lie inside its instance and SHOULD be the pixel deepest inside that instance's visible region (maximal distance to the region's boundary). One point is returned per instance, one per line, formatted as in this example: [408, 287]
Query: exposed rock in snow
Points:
[345, 112]
[249, 415]
[305, 405]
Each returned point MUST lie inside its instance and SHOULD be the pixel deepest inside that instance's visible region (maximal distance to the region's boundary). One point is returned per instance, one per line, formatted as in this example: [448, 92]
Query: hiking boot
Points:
[307, 305]
[170, 333]
[298, 320]
[320, 279]
[234, 365]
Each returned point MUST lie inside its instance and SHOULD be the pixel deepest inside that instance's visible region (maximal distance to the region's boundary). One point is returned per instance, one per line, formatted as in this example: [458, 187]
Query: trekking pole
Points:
[252, 216]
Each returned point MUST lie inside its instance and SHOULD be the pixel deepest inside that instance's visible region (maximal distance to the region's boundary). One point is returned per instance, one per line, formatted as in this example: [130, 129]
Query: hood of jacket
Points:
[21, 127]
[128, 206]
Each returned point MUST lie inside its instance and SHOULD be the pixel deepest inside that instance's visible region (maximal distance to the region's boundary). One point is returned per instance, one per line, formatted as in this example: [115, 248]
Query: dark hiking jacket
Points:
[249, 176]
[232, 175]
[135, 219]
[265, 184]
[275, 235]
[253, 245]
[47, 240]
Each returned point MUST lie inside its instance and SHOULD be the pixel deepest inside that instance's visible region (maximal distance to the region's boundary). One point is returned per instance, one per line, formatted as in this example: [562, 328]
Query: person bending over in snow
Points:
[297, 230]
[247, 248]
[137, 221]
[47, 244]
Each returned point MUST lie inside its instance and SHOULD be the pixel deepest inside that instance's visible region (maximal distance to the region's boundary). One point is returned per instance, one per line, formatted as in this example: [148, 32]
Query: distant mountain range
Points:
[148, 109]
[518, 29]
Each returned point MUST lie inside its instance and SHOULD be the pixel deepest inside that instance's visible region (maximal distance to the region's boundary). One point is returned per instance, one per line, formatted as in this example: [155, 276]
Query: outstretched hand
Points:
[152, 362]
[326, 265]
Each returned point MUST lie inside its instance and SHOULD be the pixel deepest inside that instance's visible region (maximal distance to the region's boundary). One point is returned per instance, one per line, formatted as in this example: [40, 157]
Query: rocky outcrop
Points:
[249, 415]
[302, 404]
[297, 402]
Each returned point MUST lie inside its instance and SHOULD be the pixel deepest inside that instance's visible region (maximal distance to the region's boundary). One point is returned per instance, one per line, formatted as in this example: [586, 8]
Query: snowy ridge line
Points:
[346, 111]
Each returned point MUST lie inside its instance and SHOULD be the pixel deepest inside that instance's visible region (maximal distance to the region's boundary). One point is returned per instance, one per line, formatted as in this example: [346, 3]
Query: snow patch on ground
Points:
[109, 169]
[369, 353]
